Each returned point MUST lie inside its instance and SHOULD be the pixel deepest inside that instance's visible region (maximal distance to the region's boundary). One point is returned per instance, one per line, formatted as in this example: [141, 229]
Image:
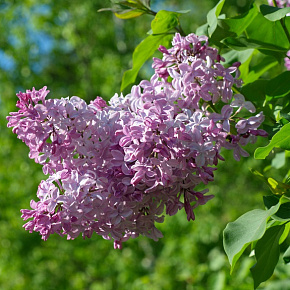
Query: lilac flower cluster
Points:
[117, 169]
[287, 60]
[283, 4]
[280, 3]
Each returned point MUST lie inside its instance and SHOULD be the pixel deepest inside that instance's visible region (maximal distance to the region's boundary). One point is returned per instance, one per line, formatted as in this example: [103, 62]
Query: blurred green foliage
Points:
[74, 50]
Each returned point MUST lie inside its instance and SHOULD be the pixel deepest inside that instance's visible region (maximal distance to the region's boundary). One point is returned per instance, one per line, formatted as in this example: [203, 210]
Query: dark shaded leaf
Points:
[286, 256]
[255, 92]
[283, 214]
[279, 86]
[243, 43]
[285, 112]
[274, 13]
[267, 253]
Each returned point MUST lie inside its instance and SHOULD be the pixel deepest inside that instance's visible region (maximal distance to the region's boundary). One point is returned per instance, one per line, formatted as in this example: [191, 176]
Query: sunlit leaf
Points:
[278, 187]
[146, 3]
[245, 66]
[248, 228]
[239, 23]
[131, 3]
[266, 31]
[141, 53]
[285, 233]
[258, 70]
[128, 9]
[131, 13]
[183, 11]
[164, 21]
[279, 140]
[213, 15]
[279, 160]
[202, 30]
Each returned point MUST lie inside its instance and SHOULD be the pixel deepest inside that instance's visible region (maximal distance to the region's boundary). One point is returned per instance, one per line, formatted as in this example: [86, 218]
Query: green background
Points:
[74, 50]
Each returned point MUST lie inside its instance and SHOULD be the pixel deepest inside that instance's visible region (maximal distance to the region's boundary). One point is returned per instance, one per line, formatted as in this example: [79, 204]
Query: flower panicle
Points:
[116, 169]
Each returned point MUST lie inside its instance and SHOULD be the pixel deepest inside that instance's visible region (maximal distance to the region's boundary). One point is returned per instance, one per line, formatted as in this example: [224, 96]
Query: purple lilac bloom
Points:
[287, 60]
[280, 3]
[117, 169]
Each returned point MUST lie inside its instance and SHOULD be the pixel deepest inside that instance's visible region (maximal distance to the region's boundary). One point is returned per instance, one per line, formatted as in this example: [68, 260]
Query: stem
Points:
[285, 29]
[211, 105]
[151, 12]
[283, 23]
[236, 90]
[180, 30]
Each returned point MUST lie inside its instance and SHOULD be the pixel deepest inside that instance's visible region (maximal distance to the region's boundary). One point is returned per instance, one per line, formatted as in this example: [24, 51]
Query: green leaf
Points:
[255, 92]
[183, 11]
[270, 200]
[240, 23]
[259, 69]
[141, 53]
[267, 253]
[146, 3]
[285, 233]
[285, 112]
[283, 214]
[266, 31]
[243, 43]
[279, 140]
[218, 35]
[131, 3]
[213, 15]
[274, 13]
[164, 21]
[248, 228]
[244, 67]
[244, 57]
[279, 86]
[286, 256]
[279, 160]
[277, 188]
[202, 30]
[234, 55]
[128, 9]
[129, 13]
